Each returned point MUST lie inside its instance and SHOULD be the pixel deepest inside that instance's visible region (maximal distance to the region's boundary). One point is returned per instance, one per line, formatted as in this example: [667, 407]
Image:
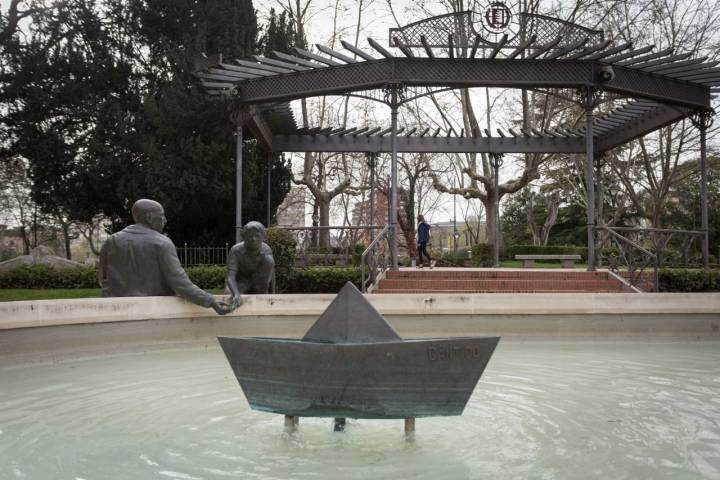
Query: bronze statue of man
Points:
[250, 264]
[140, 261]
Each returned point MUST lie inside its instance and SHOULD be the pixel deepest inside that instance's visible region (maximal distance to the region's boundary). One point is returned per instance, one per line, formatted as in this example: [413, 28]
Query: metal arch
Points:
[465, 73]
[428, 143]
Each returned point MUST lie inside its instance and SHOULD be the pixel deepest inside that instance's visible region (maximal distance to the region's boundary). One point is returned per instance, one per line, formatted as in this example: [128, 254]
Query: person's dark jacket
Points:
[140, 262]
[423, 232]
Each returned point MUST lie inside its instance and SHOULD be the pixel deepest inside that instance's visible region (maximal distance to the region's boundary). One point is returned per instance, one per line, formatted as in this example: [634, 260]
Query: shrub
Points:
[682, 280]
[44, 276]
[482, 255]
[322, 279]
[282, 243]
[513, 250]
[208, 276]
[356, 252]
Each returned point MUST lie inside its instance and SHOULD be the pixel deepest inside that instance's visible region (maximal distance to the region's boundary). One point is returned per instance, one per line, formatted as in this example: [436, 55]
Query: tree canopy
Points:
[103, 105]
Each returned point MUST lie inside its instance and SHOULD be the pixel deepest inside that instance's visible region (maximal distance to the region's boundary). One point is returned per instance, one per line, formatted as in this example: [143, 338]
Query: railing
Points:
[631, 252]
[329, 245]
[628, 259]
[197, 256]
[376, 258]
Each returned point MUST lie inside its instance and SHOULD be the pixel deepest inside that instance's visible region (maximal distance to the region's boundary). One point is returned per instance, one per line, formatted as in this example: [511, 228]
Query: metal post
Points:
[372, 158]
[291, 423]
[589, 182]
[702, 120]
[269, 184]
[393, 180]
[339, 424]
[704, 197]
[600, 193]
[455, 232]
[409, 428]
[599, 221]
[238, 184]
[496, 162]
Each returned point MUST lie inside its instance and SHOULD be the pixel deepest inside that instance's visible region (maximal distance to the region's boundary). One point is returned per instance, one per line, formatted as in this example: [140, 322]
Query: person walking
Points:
[423, 237]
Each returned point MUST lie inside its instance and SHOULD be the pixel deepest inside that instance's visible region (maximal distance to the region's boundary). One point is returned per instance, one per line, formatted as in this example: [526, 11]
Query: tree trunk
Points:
[25, 239]
[553, 206]
[491, 220]
[408, 232]
[324, 211]
[66, 239]
[530, 213]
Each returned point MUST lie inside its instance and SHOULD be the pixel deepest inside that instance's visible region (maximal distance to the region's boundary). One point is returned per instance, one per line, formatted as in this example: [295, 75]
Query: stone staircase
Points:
[457, 280]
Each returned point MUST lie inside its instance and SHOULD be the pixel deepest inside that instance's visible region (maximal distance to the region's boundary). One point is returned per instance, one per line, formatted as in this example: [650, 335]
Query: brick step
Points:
[512, 274]
[380, 290]
[503, 284]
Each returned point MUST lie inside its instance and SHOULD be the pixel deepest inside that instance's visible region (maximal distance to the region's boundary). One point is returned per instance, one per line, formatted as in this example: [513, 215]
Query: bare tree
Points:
[9, 22]
[318, 173]
[648, 167]
[552, 204]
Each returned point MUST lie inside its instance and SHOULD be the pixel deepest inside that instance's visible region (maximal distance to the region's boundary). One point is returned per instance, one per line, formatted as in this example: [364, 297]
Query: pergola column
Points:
[393, 177]
[702, 120]
[589, 100]
[496, 160]
[371, 157]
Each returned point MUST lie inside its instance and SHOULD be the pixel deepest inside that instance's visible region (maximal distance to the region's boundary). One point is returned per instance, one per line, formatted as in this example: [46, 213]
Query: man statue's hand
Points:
[235, 301]
[223, 308]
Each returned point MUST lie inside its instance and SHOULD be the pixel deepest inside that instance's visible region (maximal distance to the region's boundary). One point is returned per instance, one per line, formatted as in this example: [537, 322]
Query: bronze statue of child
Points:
[250, 264]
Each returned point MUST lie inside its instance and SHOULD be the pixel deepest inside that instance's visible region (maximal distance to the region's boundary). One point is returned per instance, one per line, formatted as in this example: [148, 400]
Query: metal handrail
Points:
[612, 232]
[363, 258]
[631, 266]
[329, 245]
[656, 230]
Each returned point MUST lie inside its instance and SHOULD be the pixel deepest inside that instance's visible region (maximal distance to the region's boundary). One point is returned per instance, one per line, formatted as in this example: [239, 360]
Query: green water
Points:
[545, 410]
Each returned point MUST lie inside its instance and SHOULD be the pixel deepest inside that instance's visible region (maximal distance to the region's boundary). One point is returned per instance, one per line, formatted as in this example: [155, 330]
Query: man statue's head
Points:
[149, 213]
[253, 235]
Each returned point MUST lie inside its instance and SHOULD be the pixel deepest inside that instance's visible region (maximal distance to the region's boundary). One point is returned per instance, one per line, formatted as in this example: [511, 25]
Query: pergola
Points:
[652, 88]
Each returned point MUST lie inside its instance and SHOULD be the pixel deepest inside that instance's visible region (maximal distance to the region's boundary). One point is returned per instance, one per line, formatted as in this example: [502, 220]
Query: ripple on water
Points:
[542, 410]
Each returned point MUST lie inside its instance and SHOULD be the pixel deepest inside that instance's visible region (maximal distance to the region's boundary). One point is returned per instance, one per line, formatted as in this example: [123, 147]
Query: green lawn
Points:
[18, 294]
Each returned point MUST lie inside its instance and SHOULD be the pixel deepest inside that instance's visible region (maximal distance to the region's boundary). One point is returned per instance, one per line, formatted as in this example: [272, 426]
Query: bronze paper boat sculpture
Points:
[352, 364]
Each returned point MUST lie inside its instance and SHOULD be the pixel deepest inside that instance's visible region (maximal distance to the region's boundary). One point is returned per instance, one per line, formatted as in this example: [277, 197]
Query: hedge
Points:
[307, 280]
[208, 277]
[298, 280]
[322, 279]
[44, 276]
[681, 280]
[482, 255]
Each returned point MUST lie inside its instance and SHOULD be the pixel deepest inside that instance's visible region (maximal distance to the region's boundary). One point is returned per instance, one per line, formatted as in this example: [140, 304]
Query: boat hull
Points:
[396, 379]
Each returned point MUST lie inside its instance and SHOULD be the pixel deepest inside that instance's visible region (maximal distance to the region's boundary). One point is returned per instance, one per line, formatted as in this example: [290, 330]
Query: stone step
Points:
[403, 291]
[499, 285]
[492, 274]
